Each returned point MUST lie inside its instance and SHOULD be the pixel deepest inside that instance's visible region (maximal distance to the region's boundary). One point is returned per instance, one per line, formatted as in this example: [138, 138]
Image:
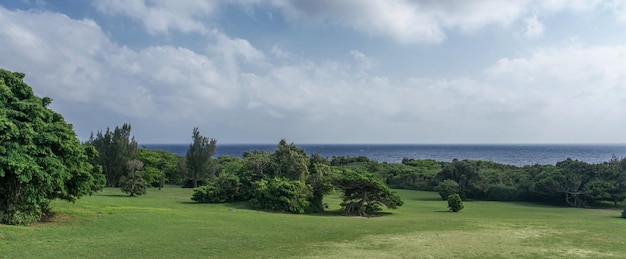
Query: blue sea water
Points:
[507, 154]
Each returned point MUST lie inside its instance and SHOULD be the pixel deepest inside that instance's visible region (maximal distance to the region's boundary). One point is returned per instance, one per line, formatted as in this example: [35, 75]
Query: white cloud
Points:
[581, 89]
[161, 16]
[237, 92]
[408, 21]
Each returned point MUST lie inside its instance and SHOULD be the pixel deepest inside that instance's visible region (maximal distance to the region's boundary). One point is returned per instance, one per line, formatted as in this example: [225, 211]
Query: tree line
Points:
[41, 159]
[569, 182]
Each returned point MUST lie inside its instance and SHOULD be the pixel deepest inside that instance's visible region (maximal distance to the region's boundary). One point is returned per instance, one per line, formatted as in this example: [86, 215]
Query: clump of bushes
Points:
[455, 204]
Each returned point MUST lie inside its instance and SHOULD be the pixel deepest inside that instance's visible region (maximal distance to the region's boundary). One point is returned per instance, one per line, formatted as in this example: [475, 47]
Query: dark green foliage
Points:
[116, 148]
[455, 204]
[256, 167]
[342, 160]
[273, 181]
[447, 188]
[501, 192]
[199, 161]
[463, 172]
[159, 166]
[319, 181]
[134, 184]
[223, 188]
[364, 192]
[281, 194]
[40, 157]
[289, 161]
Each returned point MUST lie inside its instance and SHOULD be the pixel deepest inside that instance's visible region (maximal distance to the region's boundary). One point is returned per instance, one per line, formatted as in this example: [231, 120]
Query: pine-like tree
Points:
[199, 163]
[133, 183]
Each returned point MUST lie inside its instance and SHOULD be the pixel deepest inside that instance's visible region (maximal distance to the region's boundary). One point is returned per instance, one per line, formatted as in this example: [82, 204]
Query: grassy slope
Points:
[167, 224]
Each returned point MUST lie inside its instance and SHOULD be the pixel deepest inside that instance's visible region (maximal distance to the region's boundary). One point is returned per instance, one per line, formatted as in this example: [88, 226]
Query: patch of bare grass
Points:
[495, 242]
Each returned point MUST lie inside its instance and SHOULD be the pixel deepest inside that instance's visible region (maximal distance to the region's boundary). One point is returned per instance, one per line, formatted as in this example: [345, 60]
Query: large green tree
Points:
[40, 157]
[116, 148]
[199, 161]
[364, 192]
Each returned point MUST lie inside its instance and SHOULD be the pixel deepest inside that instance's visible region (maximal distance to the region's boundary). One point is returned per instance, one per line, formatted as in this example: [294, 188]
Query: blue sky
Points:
[397, 71]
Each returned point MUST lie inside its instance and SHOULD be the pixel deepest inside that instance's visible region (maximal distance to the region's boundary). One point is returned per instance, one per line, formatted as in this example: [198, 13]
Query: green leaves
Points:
[40, 157]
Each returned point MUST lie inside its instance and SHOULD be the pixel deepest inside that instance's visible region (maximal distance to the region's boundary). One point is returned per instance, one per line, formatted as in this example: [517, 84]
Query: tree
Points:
[199, 163]
[364, 192]
[40, 157]
[116, 148]
[290, 161]
[320, 182]
[568, 181]
[447, 188]
[462, 172]
[133, 183]
[158, 165]
[455, 204]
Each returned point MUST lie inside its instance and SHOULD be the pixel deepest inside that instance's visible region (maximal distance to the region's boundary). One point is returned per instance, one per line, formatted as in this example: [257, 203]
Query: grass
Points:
[166, 224]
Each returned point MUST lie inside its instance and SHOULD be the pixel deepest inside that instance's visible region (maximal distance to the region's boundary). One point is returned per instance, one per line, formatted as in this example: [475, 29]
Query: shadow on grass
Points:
[339, 213]
[428, 199]
[116, 195]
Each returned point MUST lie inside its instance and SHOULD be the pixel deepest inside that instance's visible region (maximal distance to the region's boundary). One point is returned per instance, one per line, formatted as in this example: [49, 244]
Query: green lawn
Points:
[166, 224]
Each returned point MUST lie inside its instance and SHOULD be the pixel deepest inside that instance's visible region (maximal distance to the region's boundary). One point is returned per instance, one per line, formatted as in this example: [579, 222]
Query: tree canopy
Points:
[364, 192]
[116, 147]
[199, 163]
[40, 157]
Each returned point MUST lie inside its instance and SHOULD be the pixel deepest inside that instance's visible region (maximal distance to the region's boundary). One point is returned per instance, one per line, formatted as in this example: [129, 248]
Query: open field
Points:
[166, 224]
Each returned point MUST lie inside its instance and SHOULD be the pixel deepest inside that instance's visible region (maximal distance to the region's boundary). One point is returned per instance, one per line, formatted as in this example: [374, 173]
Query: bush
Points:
[455, 204]
[447, 188]
[224, 188]
[282, 195]
[624, 213]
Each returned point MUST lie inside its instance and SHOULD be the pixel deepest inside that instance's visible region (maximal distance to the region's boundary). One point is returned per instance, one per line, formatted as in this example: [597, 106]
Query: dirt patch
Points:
[52, 219]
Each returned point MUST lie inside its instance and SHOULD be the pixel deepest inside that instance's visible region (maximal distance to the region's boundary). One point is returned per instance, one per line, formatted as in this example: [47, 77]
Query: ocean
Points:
[519, 154]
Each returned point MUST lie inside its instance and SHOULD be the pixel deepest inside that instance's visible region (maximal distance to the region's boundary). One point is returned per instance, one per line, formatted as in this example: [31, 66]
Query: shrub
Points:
[282, 195]
[624, 213]
[455, 204]
[447, 188]
[224, 188]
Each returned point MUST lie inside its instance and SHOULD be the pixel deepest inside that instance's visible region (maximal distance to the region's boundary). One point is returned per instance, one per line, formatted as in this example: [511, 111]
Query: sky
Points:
[325, 71]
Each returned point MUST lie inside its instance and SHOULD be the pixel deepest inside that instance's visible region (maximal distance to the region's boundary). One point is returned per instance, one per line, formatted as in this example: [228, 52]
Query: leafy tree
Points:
[290, 161]
[116, 148]
[320, 182]
[199, 163]
[158, 164]
[364, 192]
[134, 184]
[447, 188]
[455, 204]
[256, 167]
[568, 181]
[40, 157]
